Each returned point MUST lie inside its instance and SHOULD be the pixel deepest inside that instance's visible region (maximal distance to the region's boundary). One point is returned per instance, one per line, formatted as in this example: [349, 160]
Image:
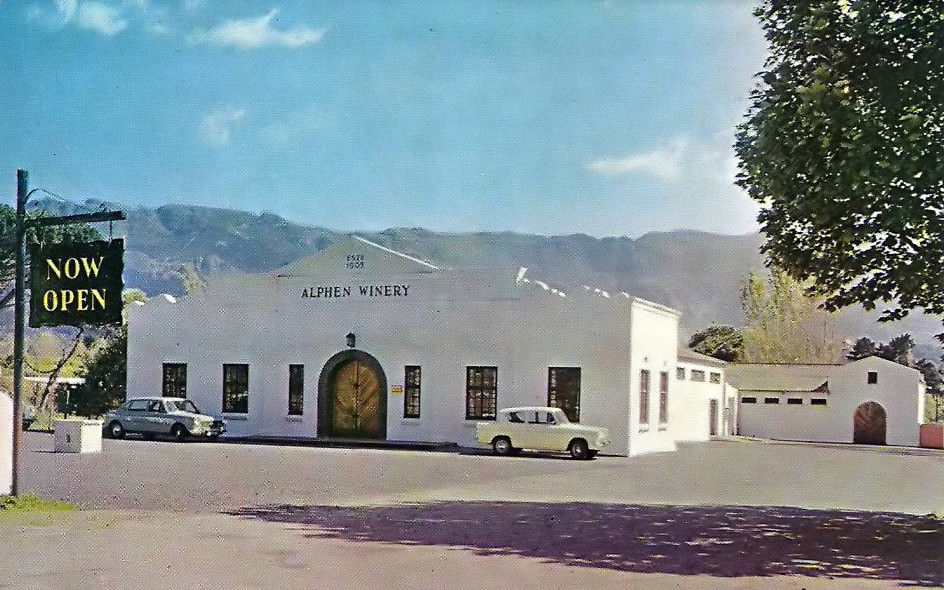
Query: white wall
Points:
[654, 337]
[450, 321]
[899, 390]
[693, 399]
[6, 442]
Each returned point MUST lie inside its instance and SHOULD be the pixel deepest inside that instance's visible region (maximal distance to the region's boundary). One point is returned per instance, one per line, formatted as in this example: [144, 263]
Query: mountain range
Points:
[698, 273]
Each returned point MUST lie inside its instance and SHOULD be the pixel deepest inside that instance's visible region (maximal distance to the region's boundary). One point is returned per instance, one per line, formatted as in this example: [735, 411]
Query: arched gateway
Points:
[352, 397]
[868, 424]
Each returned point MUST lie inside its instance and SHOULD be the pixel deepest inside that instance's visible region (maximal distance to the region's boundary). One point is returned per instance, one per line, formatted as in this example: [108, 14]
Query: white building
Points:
[362, 341]
[709, 401]
[872, 401]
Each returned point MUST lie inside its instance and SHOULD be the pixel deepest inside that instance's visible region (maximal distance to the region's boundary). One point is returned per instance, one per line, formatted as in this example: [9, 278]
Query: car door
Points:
[156, 418]
[558, 435]
[133, 417]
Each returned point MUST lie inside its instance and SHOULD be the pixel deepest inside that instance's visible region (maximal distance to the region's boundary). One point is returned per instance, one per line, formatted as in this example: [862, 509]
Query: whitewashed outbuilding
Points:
[871, 401]
[361, 341]
[708, 401]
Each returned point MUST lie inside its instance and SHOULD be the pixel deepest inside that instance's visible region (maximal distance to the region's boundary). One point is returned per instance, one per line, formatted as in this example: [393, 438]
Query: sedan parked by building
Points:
[176, 417]
[540, 429]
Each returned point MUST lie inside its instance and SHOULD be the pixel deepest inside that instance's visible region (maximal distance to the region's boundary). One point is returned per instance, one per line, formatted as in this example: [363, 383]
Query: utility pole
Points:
[22, 194]
[19, 304]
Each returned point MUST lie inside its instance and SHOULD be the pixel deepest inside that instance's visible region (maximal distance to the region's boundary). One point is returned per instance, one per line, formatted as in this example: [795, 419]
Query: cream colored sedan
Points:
[541, 429]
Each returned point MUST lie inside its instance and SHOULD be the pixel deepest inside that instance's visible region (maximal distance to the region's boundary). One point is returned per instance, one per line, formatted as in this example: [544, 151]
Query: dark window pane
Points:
[236, 389]
[174, 380]
[481, 392]
[563, 390]
[411, 392]
[296, 390]
[644, 397]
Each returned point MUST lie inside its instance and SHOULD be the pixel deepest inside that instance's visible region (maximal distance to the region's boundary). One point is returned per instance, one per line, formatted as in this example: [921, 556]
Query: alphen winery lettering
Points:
[88, 299]
[341, 291]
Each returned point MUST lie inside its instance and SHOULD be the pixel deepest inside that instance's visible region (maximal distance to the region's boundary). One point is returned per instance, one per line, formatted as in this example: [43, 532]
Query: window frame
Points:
[174, 383]
[230, 405]
[663, 397]
[680, 373]
[749, 399]
[555, 393]
[871, 378]
[714, 377]
[644, 383]
[697, 375]
[480, 398]
[296, 390]
[412, 391]
[772, 400]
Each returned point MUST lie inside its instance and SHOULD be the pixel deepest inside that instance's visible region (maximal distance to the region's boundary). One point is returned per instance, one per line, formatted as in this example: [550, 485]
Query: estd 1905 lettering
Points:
[355, 261]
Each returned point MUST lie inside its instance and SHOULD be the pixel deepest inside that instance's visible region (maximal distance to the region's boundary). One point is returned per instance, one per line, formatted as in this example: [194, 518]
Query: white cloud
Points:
[217, 127]
[256, 32]
[101, 18]
[53, 20]
[665, 163]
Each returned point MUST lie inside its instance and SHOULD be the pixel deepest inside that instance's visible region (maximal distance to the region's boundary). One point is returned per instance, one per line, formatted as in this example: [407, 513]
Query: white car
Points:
[150, 416]
[542, 429]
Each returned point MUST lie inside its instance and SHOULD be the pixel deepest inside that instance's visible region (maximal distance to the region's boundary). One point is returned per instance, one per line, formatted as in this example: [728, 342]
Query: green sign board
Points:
[76, 284]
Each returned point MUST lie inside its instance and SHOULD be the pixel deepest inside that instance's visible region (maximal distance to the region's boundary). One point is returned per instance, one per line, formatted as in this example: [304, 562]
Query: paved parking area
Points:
[207, 476]
[725, 514]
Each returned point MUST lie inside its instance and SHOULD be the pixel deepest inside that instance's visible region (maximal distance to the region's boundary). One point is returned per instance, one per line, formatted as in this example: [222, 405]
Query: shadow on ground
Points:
[712, 540]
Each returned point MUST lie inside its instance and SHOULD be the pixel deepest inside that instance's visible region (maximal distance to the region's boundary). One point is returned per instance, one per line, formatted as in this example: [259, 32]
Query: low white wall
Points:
[6, 443]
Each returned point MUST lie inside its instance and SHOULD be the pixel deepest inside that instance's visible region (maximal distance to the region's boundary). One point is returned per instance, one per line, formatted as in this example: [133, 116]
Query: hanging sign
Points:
[76, 284]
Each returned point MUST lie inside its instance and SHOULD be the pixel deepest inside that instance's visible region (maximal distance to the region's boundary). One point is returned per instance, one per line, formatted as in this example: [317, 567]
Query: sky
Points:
[608, 118]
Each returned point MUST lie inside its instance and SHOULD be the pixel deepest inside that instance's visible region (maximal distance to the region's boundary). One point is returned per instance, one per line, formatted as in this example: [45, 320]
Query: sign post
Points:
[105, 298]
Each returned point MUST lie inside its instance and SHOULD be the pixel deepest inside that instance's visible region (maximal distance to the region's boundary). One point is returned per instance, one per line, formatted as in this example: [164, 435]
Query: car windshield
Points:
[184, 405]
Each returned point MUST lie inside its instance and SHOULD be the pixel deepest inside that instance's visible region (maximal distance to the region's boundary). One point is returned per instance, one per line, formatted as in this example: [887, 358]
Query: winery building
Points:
[361, 341]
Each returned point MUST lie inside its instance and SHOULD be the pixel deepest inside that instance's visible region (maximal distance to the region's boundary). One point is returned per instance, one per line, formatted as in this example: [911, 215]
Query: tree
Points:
[721, 342]
[862, 348]
[784, 325]
[899, 350]
[934, 381]
[106, 371]
[842, 148]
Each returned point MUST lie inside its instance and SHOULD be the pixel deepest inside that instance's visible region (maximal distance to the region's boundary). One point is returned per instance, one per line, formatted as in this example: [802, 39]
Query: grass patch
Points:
[32, 504]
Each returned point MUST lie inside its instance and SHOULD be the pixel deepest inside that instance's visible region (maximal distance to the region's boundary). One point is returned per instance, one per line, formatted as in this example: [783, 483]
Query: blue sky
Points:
[605, 118]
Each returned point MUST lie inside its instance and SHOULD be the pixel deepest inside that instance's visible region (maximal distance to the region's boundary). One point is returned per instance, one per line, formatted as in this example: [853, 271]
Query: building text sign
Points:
[345, 291]
[76, 284]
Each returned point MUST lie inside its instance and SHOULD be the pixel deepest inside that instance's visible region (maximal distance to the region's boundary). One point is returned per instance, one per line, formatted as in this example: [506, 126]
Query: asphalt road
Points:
[712, 515]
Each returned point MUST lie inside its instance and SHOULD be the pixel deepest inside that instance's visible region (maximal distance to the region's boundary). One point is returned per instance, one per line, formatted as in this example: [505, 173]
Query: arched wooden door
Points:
[352, 397]
[869, 424]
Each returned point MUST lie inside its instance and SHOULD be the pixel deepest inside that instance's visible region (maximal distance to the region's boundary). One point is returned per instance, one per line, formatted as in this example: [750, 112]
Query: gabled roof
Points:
[687, 355]
[375, 258]
[778, 377]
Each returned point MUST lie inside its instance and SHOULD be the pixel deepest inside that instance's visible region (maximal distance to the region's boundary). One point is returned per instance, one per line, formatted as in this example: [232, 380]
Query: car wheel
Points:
[579, 449]
[116, 430]
[502, 445]
[179, 432]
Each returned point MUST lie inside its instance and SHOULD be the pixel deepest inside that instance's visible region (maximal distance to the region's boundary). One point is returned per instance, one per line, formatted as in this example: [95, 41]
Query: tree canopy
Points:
[721, 342]
[842, 148]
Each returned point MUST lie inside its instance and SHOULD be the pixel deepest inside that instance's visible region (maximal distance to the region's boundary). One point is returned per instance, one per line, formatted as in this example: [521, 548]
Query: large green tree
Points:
[784, 325]
[721, 342]
[842, 148]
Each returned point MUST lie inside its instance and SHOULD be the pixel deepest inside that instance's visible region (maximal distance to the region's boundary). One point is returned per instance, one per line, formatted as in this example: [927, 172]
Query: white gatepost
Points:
[6, 443]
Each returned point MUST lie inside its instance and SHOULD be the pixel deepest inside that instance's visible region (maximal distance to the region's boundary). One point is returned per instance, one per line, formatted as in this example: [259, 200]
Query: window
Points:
[698, 375]
[872, 377]
[680, 373]
[563, 390]
[481, 392]
[714, 377]
[818, 401]
[296, 390]
[794, 401]
[175, 380]
[644, 397]
[748, 400]
[771, 400]
[236, 389]
[411, 391]
[663, 397]
[137, 405]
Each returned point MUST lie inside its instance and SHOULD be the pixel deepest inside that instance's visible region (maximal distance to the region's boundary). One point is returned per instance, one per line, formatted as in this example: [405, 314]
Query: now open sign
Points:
[76, 284]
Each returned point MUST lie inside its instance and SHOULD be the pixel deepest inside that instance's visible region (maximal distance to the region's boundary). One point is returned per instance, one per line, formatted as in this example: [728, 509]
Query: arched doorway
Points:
[868, 424]
[352, 397]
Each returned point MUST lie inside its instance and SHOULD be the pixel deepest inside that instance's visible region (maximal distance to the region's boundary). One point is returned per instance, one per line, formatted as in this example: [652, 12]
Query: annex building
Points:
[361, 341]
[869, 401]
